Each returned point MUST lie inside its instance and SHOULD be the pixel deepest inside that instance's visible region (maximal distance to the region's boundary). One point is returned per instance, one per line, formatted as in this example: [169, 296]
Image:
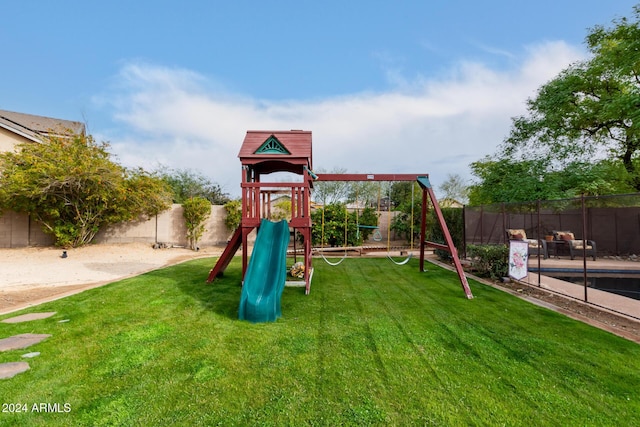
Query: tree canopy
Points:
[505, 180]
[454, 188]
[188, 183]
[330, 192]
[73, 188]
[581, 132]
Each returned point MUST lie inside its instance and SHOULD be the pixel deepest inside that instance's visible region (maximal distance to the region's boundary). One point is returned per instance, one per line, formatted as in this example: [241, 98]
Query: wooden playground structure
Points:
[266, 152]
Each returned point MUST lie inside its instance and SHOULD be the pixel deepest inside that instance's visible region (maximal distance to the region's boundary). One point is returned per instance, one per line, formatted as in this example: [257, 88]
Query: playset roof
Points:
[271, 151]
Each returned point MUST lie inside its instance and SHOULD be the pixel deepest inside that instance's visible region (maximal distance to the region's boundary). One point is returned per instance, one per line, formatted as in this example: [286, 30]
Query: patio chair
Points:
[535, 246]
[576, 246]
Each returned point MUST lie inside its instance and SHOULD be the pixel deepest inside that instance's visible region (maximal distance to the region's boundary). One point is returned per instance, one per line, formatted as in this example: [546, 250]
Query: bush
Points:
[196, 211]
[334, 225]
[73, 188]
[490, 260]
[409, 212]
[234, 214]
[329, 225]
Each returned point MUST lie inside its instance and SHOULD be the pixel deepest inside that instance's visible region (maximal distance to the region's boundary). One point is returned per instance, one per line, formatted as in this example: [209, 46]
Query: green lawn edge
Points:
[373, 344]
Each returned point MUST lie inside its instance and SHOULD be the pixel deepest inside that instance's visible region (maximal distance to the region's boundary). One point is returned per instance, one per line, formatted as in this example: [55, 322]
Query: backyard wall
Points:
[19, 230]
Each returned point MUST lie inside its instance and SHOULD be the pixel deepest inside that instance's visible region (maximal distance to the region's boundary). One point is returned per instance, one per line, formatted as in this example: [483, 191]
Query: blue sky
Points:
[385, 86]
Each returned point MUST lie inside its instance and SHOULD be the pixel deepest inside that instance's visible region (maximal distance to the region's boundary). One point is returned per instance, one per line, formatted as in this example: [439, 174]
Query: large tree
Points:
[400, 193]
[330, 192]
[455, 188]
[590, 110]
[506, 180]
[72, 187]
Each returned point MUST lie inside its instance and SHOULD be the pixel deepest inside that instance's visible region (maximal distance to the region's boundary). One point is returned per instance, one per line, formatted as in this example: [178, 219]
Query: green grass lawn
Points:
[373, 344]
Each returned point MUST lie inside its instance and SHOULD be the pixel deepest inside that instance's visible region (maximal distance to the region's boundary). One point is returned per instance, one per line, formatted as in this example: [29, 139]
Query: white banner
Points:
[518, 256]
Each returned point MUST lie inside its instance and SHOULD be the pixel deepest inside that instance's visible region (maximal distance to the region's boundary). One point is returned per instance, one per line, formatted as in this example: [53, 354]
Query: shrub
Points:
[196, 211]
[282, 210]
[234, 214]
[73, 188]
[334, 220]
[490, 260]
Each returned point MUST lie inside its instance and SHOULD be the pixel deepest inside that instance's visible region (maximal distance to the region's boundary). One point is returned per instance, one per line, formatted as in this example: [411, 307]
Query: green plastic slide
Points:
[266, 274]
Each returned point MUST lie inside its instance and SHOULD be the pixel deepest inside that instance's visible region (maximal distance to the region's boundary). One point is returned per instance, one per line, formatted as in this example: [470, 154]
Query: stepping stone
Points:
[11, 369]
[21, 341]
[32, 354]
[29, 317]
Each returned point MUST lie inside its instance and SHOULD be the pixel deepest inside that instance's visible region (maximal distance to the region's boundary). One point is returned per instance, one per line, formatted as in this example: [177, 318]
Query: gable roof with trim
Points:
[269, 151]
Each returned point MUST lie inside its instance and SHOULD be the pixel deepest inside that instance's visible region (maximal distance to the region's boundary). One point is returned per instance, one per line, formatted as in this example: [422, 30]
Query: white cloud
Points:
[181, 119]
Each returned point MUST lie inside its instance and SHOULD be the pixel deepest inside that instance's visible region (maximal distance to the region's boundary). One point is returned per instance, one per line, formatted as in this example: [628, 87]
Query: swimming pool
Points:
[626, 285]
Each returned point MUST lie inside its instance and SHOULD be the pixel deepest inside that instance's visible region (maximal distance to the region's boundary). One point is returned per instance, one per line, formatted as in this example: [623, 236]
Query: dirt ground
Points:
[30, 276]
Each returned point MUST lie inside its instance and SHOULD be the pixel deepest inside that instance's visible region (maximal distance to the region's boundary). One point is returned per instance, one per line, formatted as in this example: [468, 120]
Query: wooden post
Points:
[426, 185]
[423, 228]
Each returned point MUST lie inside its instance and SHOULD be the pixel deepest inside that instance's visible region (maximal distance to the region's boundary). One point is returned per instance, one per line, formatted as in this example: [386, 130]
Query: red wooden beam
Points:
[369, 176]
[426, 187]
[437, 245]
[268, 186]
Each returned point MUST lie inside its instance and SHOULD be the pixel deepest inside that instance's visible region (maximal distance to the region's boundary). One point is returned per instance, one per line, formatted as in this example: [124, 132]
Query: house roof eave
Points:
[28, 135]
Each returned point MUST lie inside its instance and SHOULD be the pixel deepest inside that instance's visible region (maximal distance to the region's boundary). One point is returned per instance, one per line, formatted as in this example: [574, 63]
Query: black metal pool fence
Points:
[611, 222]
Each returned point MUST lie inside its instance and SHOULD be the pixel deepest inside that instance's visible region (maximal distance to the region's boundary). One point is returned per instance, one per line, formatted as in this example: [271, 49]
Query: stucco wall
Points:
[18, 230]
[9, 140]
[168, 227]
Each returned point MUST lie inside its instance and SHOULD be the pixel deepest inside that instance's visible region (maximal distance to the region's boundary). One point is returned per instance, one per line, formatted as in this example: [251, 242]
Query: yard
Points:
[373, 344]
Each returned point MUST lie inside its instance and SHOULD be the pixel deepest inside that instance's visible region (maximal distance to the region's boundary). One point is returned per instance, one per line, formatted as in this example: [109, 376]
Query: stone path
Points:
[21, 341]
[29, 317]
[11, 369]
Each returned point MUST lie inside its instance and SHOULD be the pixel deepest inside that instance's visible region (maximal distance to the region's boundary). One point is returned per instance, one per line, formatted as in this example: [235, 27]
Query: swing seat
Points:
[401, 262]
[333, 263]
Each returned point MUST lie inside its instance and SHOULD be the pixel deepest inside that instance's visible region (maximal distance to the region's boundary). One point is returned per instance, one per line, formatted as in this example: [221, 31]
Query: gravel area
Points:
[30, 276]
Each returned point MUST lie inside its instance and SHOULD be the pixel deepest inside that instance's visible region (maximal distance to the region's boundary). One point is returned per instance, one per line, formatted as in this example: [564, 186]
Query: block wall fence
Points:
[20, 230]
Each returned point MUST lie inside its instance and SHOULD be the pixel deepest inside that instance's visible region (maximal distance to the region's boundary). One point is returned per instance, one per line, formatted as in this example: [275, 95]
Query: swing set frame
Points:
[427, 195]
[264, 152]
